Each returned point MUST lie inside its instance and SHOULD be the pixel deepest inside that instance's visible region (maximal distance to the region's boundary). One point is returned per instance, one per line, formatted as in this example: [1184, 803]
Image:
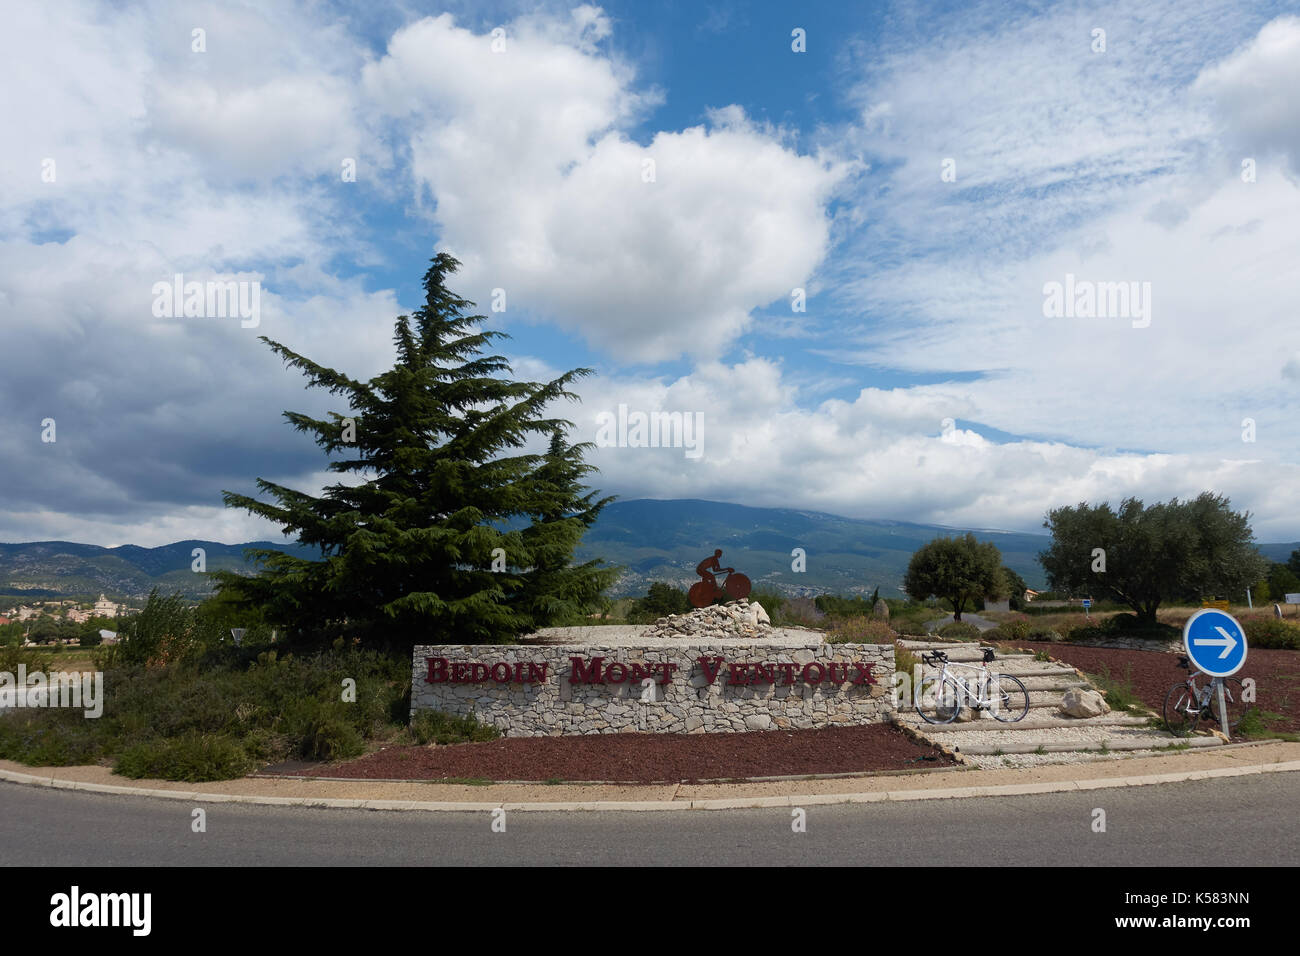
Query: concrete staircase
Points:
[1044, 735]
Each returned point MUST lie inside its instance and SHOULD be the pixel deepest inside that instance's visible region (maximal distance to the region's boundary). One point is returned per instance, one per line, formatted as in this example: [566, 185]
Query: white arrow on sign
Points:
[1227, 642]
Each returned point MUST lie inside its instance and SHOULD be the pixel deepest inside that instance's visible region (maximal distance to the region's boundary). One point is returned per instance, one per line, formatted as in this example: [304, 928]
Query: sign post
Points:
[1293, 599]
[1087, 603]
[1216, 644]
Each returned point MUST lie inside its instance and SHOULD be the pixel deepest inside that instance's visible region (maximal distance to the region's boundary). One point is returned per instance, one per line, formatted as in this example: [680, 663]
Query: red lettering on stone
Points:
[710, 666]
[788, 671]
[864, 674]
[458, 672]
[831, 673]
[478, 672]
[821, 674]
[437, 670]
[738, 674]
[666, 670]
[590, 674]
[501, 672]
[537, 672]
[763, 674]
[642, 672]
[622, 673]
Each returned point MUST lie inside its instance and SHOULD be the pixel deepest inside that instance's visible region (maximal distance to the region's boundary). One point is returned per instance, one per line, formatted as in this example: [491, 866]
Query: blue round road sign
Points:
[1215, 642]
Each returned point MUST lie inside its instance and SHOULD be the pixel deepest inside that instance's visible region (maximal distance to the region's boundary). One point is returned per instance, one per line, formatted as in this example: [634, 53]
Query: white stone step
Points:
[1112, 744]
[1028, 723]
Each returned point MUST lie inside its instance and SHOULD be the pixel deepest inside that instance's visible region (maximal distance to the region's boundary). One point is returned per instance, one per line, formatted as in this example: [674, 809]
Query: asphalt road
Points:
[1154, 826]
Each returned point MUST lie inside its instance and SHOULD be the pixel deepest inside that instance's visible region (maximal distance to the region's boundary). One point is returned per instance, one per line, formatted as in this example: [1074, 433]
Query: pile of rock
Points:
[731, 620]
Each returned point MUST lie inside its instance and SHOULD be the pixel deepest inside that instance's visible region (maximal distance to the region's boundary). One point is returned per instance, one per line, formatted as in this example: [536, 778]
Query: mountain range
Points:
[652, 540]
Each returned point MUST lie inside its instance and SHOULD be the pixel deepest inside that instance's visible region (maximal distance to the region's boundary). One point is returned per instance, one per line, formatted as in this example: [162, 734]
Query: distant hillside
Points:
[654, 540]
[664, 540]
[63, 569]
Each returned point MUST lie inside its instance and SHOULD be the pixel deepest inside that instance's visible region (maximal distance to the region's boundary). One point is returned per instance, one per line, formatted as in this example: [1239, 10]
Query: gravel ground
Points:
[646, 758]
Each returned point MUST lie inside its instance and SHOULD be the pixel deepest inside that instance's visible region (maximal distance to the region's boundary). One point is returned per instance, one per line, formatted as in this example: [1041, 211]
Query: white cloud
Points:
[1254, 93]
[540, 192]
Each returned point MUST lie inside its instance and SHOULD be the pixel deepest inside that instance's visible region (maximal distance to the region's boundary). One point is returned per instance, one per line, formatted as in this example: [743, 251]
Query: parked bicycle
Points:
[939, 697]
[1186, 705]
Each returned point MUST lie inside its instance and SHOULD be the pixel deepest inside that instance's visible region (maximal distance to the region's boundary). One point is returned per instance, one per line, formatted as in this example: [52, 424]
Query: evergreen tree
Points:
[447, 533]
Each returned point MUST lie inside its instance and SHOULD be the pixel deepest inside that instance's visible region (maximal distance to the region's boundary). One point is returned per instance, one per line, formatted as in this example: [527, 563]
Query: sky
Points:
[947, 263]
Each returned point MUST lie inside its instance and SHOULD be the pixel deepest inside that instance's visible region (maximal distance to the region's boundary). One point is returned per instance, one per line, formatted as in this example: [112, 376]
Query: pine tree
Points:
[451, 534]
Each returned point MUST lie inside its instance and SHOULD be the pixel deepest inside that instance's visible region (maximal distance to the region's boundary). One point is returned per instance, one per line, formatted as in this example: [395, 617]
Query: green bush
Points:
[859, 630]
[274, 707]
[192, 757]
[1015, 629]
[431, 726]
[908, 627]
[660, 601]
[331, 737]
[958, 631]
[1271, 632]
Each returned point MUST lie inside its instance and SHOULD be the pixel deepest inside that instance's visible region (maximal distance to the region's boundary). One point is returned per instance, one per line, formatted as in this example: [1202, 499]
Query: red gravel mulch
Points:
[1276, 673]
[650, 758]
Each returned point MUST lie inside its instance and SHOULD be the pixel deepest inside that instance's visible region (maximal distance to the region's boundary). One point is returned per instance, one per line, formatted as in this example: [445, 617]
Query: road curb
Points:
[721, 803]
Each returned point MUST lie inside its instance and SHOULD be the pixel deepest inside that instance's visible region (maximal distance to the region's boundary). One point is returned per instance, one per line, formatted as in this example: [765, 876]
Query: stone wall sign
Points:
[668, 686]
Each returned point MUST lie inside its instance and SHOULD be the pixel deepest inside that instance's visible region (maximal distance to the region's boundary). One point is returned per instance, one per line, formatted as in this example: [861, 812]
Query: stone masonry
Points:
[529, 690]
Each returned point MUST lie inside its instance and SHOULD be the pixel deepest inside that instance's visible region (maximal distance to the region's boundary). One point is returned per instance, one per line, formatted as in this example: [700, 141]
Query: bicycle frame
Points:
[970, 694]
[1203, 696]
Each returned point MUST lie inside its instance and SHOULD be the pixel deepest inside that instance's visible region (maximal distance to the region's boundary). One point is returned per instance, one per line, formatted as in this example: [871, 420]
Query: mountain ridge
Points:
[653, 539]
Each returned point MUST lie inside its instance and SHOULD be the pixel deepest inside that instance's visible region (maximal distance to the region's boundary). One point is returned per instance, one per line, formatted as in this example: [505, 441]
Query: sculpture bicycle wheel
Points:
[700, 594]
[737, 586]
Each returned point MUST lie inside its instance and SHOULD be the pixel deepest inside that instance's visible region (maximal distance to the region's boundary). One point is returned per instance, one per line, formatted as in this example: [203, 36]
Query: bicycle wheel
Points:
[938, 702]
[1232, 691]
[700, 594]
[1008, 699]
[737, 586]
[1182, 710]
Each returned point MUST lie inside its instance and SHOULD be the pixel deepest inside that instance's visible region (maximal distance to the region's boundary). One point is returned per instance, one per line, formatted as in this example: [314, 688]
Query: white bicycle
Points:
[939, 697]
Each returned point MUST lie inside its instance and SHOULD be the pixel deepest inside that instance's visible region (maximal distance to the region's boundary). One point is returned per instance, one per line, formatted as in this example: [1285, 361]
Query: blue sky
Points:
[923, 172]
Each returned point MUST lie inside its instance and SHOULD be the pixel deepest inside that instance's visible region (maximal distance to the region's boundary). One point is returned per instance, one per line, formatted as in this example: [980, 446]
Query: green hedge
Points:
[1270, 632]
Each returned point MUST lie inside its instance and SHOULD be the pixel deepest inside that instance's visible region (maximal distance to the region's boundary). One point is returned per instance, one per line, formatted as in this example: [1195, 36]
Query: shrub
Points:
[1120, 694]
[660, 601]
[800, 611]
[1271, 632]
[330, 737]
[905, 662]
[959, 631]
[432, 726]
[272, 706]
[1015, 629]
[908, 627]
[192, 757]
[859, 630]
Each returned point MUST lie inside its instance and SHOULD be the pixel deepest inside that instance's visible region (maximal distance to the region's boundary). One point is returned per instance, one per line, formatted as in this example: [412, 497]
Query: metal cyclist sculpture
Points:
[706, 591]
